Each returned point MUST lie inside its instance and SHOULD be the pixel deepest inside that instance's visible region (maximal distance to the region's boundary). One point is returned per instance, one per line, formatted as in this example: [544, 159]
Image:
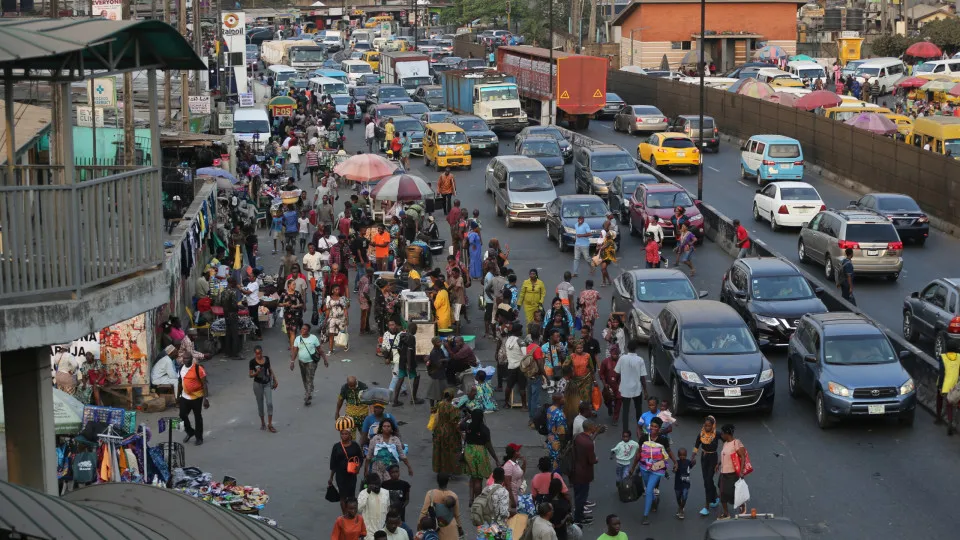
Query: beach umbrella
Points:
[67, 413]
[756, 89]
[783, 98]
[366, 168]
[938, 85]
[955, 91]
[217, 172]
[923, 49]
[770, 52]
[402, 187]
[692, 58]
[801, 58]
[912, 82]
[873, 122]
[818, 99]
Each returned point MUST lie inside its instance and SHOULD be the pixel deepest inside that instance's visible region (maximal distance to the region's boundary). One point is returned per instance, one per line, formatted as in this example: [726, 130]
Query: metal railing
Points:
[68, 239]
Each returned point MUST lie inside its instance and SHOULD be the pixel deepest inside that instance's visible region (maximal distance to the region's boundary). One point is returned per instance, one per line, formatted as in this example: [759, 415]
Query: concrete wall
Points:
[775, 22]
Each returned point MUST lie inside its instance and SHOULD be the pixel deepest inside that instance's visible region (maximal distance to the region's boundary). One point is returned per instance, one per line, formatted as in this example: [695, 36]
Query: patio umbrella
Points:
[366, 168]
[923, 49]
[873, 122]
[402, 187]
[770, 52]
[217, 172]
[912, 82]
[756, 89]
[817, 99]
[783, 98]
[955, 91]
[692, 58]
[801, 58]
[938, 86]
[67, 413]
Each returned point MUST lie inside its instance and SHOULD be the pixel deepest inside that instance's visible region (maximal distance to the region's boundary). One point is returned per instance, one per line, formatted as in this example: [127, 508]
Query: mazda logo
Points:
[874, 392]
[732, 381]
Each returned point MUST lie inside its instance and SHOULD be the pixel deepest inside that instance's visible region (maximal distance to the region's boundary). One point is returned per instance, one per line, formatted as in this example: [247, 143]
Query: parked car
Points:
[771, 295]
[388, 93]
[566, 149]
[689, 125]
[787, 204]
[545, 150]
[877, 249]
[612, 107]
[430, 95]
[659, 201]
[621, 190]
[850, 369]
[562, 215]
[934, 313]
[594, 167]
[481, 137]
[642, 294]
[709, 358]
[910, 221]
[639, 118]
[670, 151]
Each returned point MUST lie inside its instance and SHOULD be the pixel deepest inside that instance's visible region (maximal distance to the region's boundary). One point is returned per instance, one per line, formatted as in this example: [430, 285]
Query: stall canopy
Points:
[171, 513]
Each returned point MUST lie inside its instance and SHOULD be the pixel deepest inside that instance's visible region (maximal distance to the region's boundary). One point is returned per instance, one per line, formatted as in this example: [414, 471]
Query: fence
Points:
[877, 162]
[71, 238]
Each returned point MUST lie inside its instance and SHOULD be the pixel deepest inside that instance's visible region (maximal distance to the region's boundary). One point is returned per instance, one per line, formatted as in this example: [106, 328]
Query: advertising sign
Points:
[233, 24]
[102, 92]
[247, 99]
[85, 116]
[199, 104]
[282, 110]
[111, 10]
[226, 120]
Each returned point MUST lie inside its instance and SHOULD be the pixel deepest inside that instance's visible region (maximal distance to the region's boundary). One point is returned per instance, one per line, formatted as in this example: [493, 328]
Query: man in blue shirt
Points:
[291, 225]
[405, 147]
[581, 246]
[372, 422]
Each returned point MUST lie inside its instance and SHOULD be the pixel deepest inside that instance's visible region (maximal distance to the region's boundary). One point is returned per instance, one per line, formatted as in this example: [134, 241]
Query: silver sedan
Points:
[639, 118]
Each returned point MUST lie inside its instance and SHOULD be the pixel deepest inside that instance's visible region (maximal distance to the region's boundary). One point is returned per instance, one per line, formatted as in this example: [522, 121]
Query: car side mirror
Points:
[810, 358]
[818, 291]
[739, 295]
[668, 345]
[703, 294]
[853, 203]
[762, 343]
[904, 355]
[915, 294]
[759, 191]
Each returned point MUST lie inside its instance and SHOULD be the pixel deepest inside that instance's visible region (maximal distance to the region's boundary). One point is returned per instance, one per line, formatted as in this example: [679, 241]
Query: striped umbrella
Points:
[756, 89]
[770, 52]
[366, 168]
[402, 187]
[912, 82]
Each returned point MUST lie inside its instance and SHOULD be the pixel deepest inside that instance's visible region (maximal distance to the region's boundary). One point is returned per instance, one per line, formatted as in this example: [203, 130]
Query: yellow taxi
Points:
[904, 123]
[372, 58]
[670, 150]
[446, 145]
[787, 82]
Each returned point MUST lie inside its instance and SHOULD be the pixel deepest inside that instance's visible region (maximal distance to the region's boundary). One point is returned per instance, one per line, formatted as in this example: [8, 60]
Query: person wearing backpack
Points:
[443, 505]
[492, 506]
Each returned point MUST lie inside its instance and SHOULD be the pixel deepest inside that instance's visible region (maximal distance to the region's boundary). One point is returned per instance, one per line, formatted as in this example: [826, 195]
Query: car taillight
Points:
[769, 163]
[954, 326]
[846, 244]
[783, 209]
[716, 132]
[639, 120]
[661, 151]
[798, 162]
[923, 219]
[823, 207]
[894, 245]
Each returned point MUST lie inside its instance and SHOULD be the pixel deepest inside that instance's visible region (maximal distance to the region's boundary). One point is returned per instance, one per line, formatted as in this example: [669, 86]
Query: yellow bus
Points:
[942, 133]
[848, 110]
[374, 22]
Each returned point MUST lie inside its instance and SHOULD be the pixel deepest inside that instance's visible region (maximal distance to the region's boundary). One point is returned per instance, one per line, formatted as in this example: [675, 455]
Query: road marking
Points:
[604, 126]
[712, 169]
[744, 184]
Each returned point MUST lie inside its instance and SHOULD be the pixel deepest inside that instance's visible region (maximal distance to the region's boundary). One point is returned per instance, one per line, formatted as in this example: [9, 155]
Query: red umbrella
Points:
[923, 49]
[365, 168]
[817, 99]
[783, 98]
[955, 91]
[912, 82]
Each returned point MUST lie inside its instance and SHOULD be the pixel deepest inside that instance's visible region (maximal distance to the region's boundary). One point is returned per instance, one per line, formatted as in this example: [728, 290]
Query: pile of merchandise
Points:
[228, 494]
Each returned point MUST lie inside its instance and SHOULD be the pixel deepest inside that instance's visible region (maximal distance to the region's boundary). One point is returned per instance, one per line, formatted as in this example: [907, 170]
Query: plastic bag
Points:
[342, 339]
[741, 493]
[332, 494]
[432, 423]
[375, 395]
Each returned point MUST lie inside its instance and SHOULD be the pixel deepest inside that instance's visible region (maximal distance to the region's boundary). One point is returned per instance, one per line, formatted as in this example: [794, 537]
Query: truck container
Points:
[409, 69]
[302, 55]
[487, 94]
[579, 87]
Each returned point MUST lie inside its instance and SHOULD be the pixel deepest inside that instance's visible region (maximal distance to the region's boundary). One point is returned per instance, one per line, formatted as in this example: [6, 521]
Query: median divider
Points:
[719, 229]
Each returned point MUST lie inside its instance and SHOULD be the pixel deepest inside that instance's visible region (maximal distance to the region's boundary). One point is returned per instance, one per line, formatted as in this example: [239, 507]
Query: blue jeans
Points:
[578, 253]
[580, 493]
[623, 471]
[743, 253]
[533, 397]
[650, 482]
[295, 170]
[682, 497]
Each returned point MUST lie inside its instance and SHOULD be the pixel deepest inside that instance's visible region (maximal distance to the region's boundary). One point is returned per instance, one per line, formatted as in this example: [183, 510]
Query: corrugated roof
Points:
[42, 43]
[30, 120]
[622, 17]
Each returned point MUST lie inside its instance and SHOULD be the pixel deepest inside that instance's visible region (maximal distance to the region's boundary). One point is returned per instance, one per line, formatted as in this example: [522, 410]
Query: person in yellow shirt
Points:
[532, 293]
[946, 381]
[441, 305]
[388, 132]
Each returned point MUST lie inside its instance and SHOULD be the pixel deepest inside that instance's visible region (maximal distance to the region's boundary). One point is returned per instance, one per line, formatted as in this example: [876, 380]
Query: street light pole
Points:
[550, 46]
[703, 30]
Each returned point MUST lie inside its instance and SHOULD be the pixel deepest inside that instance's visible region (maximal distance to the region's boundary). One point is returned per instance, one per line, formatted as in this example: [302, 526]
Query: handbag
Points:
[953, 396]
[332, 494]
[342, 339]
[432, 422]
[315, 318]
[353, 463]
[746, 466]
[595, 398]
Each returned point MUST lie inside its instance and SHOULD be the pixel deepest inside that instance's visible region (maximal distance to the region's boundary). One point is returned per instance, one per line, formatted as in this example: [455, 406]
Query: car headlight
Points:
[495, 140]
[838, 389]
[643, 318]
[690, 377]
[442, 153]
[769, 321]
[569, 230]
[599, 181]
[907, 387]
[766, 375]
[696, 219]
[515, 206]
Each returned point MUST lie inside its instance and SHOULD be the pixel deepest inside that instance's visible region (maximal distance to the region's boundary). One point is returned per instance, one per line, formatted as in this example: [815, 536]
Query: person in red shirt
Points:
[653, 251]
[743, 239]
[336, 277]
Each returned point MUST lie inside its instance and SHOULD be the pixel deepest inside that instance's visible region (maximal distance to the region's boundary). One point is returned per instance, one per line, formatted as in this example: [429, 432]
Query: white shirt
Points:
[326, 243]
[254, 297]
[304, 226]
[312, 264]
[515, 352]
[400, 534]
[657, 232]
[313, 141]
[578, 424]
[164, 372]
[294, 153]
[631, 368]
[373, 507]
[322, 191]
[368, 131]
[67, 363]
[286, 143]
[926, 147]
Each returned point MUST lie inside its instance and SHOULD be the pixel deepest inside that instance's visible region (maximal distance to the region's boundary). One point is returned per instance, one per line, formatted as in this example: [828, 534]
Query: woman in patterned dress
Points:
[338, 318]
[446, 436]
[589, 298]
[292, 303]
[476, 463]
[556, 430]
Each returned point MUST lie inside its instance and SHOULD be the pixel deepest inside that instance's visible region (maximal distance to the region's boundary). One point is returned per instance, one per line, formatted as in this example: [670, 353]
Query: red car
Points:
[659, 201]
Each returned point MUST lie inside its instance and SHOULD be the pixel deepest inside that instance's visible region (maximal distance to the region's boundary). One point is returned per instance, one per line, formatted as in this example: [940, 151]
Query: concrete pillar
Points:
[28, 413]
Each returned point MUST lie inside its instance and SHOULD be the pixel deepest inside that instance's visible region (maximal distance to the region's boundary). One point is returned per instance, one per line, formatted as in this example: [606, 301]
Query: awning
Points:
[31, 122]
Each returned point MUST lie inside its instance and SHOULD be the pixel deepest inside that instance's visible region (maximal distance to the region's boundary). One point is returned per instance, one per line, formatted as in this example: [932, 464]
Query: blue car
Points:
[771, 157]
[564, 212]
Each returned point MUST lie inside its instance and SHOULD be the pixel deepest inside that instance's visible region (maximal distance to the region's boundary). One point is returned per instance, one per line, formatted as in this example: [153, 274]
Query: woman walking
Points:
[608, 256]
[446, 436]
[582, 369]
[477, 445]
[386, 449]
[685, 248]
[728, 475]
[338, 318]
[292, 303]
[350, 525]
[476, 252]
[589, 298]
[706, 445]
[557, 308]
[556, 430]
[346, 462]
[443, 505]
[652, 461]
[264, 383]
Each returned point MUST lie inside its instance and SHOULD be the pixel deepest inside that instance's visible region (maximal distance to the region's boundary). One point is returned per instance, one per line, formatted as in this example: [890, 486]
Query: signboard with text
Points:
[85, 116]
[226, 120]
[247, 100]
[282, 110]
[111, 10]
[102, 92]
[233, 28]
[199, 104]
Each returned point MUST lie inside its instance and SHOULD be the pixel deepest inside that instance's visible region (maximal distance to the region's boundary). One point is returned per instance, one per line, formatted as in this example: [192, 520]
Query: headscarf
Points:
[705, 437]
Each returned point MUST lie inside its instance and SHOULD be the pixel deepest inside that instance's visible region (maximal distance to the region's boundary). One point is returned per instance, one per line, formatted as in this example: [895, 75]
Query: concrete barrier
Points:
[719, 229]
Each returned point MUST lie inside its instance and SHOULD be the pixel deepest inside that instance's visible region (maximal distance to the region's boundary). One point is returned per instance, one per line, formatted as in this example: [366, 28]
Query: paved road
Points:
[724, 190]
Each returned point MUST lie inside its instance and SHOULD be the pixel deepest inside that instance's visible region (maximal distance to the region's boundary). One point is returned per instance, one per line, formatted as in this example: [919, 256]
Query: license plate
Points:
[482, 145]
[876, 409]
[786, 166]
[536, 218]
[731, 392]
[873, 252]
[704, 145]
[681, 154]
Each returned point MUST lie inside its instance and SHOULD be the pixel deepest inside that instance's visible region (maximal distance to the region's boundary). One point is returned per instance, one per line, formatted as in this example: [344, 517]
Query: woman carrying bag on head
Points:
[346, 461]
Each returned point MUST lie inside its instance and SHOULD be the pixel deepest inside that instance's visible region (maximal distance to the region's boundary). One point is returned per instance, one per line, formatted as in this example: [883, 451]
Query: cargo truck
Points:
[302, 55]
[407, 69]
[579, 86]
[487, 94]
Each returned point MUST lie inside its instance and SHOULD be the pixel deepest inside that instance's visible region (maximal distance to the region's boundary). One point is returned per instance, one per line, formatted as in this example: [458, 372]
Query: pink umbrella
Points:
[955, 91]
[366, 168]
[756, 89]
[783, 98]
[817, 99]
[402, 187]
[873, 122]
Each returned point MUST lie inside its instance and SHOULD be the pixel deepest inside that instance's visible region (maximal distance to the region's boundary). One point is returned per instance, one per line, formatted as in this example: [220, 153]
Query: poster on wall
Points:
[111, 10]
[120, 347]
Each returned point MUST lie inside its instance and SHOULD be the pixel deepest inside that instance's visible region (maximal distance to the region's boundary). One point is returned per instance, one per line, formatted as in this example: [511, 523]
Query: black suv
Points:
[595, 166]
[771, 295]
[934, 313]
[910, 221]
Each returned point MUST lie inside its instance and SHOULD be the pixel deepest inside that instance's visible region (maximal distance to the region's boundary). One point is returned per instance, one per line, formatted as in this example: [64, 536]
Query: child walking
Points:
[624, 452]
[276, 230]
[682, 481]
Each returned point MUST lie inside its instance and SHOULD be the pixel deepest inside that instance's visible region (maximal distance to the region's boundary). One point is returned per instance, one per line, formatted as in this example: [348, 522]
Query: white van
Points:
[250, 124]
[769, 74]
[328, 86]
[938, 67]
[361, 35]
[886, 71]
[807, 71]
[280, 74]
[355, 69]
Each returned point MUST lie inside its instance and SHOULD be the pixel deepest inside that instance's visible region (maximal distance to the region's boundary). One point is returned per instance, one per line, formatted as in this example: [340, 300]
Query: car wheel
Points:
[633, 231]
[909, 332]
[560, 243]
[486, 187]
[793, 382]
[773, 223]
[469, 167]
[828, 268]
[654, 377]
[616, 125]
[760, 181]
[506, 219]
[907, 419]
[676, 398]
[820, 408]
[883, 90]
[576, 186]
[802, 253]
[549, 236]
[743, 172]
[653, 163]
[756, 213]
[939, 345]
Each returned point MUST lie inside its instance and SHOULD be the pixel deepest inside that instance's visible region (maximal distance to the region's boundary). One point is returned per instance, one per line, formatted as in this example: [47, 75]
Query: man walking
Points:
[844, 277]
[306, 352]
[743, 239]
[584, 459]
[193, 398]
[447, 188]
[541, 526]
[369, 135]
[633, 382]
[581, 245]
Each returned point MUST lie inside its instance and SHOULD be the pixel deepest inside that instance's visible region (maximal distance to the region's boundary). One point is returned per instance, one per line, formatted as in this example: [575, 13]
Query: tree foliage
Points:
[891, 45]
[944, 34]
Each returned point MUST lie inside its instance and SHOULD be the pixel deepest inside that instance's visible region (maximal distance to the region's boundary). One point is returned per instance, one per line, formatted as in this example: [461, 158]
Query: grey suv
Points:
[934, 312]
[594, 167]
[877, 249]
[690, 125]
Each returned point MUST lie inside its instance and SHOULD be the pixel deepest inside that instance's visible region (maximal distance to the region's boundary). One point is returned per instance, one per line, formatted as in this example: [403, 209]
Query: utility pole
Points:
[703, 68]
[552, 72]
[167, 85]
[184, 75]
[62, 123]
[592, 28]
[129, 141]
[197, 42]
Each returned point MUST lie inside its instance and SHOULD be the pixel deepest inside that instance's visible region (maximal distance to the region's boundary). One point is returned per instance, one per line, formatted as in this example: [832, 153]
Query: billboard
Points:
[111, 10]
[234, 32]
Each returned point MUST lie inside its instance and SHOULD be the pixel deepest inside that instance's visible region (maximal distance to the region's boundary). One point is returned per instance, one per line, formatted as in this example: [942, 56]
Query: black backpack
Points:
[540, 421]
